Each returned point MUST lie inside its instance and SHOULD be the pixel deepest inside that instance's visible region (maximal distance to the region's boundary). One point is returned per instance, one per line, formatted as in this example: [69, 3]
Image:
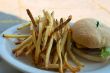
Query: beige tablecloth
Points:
[99, 9]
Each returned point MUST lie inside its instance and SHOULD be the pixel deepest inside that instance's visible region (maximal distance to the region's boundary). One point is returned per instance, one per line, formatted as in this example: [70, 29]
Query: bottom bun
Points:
[88, 56]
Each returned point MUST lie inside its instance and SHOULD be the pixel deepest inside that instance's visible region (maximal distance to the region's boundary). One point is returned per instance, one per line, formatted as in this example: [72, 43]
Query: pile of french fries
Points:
[49, 43]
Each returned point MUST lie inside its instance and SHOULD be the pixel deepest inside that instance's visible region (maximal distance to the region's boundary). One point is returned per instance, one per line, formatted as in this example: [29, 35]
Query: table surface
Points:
[14, 12]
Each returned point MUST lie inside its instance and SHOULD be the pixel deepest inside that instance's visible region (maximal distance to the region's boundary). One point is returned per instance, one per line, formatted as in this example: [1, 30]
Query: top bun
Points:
[86, 32]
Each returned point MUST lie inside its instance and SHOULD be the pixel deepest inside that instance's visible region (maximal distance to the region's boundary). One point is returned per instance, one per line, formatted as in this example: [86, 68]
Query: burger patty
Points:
[91, 51]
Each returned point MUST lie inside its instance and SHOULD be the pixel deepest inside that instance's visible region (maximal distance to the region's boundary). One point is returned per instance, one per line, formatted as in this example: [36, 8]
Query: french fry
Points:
[57, 35]
[28, 46]
[59, 50]
[18, 42]
[48, 52]
[48, 28]
[30, 50]
[49, 17]
[38, 43]
[35, 43]
[59, 55]
[45, 39]
[42, 25]
[43, 56]
[44, 32]
[33, 21]
[24, 26]
[62, 45]
[74, 59]
[61, 21]
[50, 66]
[19, 52]
[55, 59]
[31, 17]
[15, 36]
[52, 14]
[72, 69]
[72, 56]
[34, 33]
[61, 25]
[53, 66]
[23, 43]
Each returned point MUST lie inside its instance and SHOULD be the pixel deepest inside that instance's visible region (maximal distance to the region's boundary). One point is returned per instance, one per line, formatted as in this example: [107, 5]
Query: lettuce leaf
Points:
[105, 52]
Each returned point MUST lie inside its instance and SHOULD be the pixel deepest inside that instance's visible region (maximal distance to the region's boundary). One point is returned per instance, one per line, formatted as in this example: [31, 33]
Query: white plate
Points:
[23, 64]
